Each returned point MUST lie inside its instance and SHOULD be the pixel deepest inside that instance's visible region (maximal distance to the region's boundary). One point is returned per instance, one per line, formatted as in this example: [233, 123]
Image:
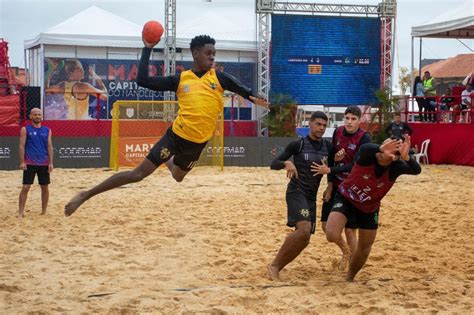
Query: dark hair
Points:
[318, 114]
[417, 80]
[396, 114]
[354, 110]
[201, 40]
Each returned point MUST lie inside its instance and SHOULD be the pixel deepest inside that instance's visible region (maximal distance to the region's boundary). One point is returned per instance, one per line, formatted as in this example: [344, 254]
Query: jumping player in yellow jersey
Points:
[199, 92]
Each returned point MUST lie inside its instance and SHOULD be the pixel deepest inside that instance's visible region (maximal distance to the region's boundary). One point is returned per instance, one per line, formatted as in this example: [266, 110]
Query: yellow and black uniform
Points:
[200, 103]
[200, 98]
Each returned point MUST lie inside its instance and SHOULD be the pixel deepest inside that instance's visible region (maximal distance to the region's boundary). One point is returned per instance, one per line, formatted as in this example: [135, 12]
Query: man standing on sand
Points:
[346, 140]
[302, 189]
[36, 157]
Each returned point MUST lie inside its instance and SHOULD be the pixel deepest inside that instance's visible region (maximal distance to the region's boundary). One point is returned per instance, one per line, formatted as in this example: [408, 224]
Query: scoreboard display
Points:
[325, 60]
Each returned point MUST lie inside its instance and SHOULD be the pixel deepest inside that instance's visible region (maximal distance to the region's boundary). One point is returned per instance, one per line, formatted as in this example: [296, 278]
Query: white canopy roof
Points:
[99, 28]
[457, 23]
[91, 27]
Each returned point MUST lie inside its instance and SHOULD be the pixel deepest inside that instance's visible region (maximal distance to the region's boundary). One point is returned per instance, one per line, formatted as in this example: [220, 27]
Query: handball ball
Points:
[152, 31]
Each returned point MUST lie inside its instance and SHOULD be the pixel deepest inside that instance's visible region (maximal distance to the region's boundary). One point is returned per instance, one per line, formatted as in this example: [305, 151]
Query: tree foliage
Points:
[380, 120]
[281, 120]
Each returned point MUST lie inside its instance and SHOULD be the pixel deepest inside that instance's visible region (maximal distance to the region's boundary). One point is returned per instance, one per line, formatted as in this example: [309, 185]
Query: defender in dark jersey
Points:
[302, 189]
[358, 199]
[200, 96]
[36, 158]
[346, 140]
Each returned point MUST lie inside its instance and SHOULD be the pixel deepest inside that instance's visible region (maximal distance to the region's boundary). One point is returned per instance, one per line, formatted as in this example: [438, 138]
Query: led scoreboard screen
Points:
[325, 60]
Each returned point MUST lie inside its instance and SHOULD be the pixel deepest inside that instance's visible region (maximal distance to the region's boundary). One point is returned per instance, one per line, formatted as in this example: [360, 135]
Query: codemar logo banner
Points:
[132, 150]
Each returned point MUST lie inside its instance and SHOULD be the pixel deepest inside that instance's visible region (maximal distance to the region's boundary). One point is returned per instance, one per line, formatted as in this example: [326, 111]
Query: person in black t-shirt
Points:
[346, 140]
[397, 128]
[358, 199]
[302, 189]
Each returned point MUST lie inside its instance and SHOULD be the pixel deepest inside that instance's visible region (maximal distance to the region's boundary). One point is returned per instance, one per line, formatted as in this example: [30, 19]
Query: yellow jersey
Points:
[200, 102]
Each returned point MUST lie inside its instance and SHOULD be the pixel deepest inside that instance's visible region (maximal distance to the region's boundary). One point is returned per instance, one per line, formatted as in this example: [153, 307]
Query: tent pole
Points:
[412, 79]
[419, 60]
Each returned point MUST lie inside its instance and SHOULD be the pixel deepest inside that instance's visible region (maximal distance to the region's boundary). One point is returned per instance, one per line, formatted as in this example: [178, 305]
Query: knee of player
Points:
[25, 189]
[304, 235]
[332, 236]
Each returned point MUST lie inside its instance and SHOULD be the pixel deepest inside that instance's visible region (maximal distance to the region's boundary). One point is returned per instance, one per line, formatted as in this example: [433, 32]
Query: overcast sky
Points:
[25, 19]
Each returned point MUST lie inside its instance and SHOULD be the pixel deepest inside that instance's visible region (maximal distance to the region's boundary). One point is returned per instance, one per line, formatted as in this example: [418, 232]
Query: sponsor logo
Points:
[186, 88]
[5, 153]
[79, 152]
[366, 176]
[137, 150]
[164, 153]
[376, 218]
[130, 112]
[228, 151]
[304, 212]
[352, 146]
[213, 85]
[337, 205]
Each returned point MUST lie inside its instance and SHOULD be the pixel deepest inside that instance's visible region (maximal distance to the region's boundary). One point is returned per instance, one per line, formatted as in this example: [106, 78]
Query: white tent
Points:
[457, 23]
[93, 27]
[98, 34]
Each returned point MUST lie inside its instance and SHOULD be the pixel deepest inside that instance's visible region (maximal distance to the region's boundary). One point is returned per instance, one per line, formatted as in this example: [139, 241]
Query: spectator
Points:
[430, 95]
[397, 128]
[446, 102]
[419, 94]
[466, 98]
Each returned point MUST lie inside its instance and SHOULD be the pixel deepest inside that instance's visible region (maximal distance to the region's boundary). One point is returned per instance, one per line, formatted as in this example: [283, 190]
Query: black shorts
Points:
[31, 171]
[186, 153]
[300, 208]
[355, 217]
[327, 206]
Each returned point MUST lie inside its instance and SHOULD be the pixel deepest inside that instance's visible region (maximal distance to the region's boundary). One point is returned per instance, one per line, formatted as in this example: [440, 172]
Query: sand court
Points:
[203, 245]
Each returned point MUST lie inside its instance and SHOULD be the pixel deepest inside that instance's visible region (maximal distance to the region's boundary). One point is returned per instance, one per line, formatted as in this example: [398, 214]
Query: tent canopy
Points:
[91, 27]
[99, 28]
[457, 23]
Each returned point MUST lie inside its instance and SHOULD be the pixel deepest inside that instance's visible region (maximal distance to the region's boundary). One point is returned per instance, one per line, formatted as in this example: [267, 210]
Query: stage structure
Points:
[170, 43]
[285, 14]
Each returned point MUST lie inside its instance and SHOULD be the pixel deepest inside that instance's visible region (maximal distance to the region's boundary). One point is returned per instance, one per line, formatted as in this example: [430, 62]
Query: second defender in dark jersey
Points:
[346, 140]
[302, 189]
[200, 97]
[358, 198]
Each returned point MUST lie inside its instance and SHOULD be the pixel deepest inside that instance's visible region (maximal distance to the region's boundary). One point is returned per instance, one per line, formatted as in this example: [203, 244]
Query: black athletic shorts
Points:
[300, 208]
[31, 171]
[355, 217]
[186, 153]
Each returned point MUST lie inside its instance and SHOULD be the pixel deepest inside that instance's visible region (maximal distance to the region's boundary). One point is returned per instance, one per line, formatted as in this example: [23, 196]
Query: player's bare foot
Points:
[346, 257]
[273, 273]
[20, 215]
[43, 212]
[75, 203]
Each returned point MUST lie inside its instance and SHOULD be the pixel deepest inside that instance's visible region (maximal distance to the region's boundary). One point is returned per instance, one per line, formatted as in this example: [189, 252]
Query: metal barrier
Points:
[438, 109]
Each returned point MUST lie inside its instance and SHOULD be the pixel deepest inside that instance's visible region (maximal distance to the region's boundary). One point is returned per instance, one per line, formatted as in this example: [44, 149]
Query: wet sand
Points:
[203, 245]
